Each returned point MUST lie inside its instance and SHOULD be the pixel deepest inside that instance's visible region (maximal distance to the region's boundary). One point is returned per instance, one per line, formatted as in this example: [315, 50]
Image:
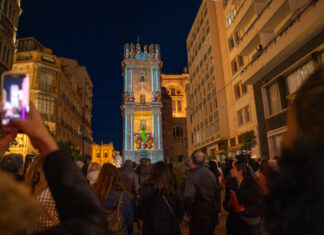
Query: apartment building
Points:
[61, 91]
[273, 46]
[10, 12]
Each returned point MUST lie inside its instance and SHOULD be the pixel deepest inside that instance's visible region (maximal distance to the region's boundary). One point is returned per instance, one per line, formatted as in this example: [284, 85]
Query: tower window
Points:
[142, 98]
[142, 77]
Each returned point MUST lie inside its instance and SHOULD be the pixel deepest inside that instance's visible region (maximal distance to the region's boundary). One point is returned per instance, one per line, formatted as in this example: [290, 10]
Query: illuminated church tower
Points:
[141, 108]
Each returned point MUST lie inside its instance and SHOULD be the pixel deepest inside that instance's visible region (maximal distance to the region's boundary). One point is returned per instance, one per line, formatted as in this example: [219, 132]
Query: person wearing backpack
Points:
[115, 201]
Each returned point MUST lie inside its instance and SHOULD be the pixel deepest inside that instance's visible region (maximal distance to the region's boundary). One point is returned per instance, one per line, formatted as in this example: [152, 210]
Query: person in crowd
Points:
[35, 179]
[79, 210]
[13, 164]
[214, 168]
[295, 202]
[200, 197]
[143, 171]
[93, 172]
[129, 179]
[110, 191]
[181, 172]
[230, 185]
[160, 206]
[246, 201]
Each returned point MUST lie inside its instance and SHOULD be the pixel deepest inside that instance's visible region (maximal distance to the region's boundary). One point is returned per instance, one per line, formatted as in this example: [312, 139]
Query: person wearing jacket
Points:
[129, 179]
[160, 206]
[200, 197]
[79, 210]
[110, 190]
[246, 202]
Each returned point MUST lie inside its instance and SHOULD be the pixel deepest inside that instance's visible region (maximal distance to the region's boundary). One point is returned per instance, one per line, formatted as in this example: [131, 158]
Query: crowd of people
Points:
[51, 195]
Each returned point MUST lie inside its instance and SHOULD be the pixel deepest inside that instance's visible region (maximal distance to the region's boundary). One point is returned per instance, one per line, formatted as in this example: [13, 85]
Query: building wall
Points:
[102, 153]
[174, 117]
[62, 100]
[10, 13]
[279, 42]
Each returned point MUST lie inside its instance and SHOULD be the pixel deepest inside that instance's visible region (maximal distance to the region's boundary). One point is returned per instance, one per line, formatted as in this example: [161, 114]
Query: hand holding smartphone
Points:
[15, 96]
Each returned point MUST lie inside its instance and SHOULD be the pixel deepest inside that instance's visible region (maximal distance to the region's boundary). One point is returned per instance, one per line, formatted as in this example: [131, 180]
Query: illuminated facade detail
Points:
[103, 153]
[141, 108]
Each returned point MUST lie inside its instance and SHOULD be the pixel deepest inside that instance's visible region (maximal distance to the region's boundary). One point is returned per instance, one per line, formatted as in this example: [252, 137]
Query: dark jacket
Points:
[156, 216]
[126, 208]
[129, 179]
[79, 209]
[200, 194]
[143, 172]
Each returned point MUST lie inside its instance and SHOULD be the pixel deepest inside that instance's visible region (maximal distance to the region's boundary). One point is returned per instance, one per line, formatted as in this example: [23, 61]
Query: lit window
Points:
[240, 119]
[274, 98]
[247, 114]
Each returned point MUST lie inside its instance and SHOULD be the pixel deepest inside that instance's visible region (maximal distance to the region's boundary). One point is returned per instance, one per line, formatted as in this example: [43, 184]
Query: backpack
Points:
[115, 219]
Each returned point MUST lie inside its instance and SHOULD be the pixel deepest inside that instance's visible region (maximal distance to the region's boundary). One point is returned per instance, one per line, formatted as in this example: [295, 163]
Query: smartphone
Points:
[14, 96]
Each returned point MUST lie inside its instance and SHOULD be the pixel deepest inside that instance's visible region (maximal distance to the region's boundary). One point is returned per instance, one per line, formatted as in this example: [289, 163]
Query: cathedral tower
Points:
[141, 108]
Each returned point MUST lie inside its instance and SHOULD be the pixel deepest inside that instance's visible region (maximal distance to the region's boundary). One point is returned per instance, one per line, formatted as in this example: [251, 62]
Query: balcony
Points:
[307, 24]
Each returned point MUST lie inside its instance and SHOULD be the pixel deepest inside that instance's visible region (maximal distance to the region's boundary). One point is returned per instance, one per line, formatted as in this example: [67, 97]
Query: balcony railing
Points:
[278, 35]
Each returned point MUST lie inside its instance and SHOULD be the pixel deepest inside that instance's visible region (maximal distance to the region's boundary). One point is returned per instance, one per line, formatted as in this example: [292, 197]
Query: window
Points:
[179, 106]
[275, 145]
[244, 89]
[237, 91]
[46, 79]
[177, 131]
[247, 114]
[234, 13]
[98, 154]
[217, 126]
[232, 142]
[173, 91]
[45, 105]
[192, 138]
[174, 106]
[240, 61]
[240, 119]
[299, 76]
[228, 21]
[142, 98]
[142, 77]
[234, 66]
[274, 98]
[231, 43]
[105, 154]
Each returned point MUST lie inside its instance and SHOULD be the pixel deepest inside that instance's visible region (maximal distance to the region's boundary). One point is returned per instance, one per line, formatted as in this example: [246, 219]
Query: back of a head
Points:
[108, 179]
[180, 158]
[163, 179]
[18, 209]
[143, 161]
[198, 158]
[35, 177]
[12, 163]
[93, 166]
[128, 164]
[309, 105]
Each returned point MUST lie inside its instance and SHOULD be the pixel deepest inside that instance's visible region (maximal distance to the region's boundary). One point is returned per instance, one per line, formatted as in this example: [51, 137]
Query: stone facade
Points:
[141, 108]
[174, 118]
[103, 153]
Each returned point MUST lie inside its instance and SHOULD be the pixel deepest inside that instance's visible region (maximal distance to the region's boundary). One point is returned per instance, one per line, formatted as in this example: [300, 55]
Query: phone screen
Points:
[15, 97]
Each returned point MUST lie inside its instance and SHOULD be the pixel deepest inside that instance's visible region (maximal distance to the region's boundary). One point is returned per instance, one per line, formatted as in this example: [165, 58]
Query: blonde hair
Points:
[18, 210]
[35, 177]
[93, 166]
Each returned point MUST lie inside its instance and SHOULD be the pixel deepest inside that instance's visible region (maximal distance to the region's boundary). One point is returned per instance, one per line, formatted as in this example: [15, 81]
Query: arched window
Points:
[173, 91]
[178, 131]
[142, 98]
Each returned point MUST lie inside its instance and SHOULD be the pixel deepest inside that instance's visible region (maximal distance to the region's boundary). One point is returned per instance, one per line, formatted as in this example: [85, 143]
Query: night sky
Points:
[94, 32]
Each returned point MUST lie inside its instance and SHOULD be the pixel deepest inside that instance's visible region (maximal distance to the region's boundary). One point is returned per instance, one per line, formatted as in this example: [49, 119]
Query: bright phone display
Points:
[15, 96]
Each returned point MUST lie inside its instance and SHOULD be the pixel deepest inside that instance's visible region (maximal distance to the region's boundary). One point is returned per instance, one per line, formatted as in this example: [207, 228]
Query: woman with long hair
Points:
[36, 180]
[109, 190]
[160, 206]
[246, 201]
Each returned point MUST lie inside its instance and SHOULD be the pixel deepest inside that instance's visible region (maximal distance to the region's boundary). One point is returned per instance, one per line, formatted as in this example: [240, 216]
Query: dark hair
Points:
[108, 179]
[198, 159]
[213, 168]
[246, 171]
[12, 163]
[227, 168]
[309, 105]
[143, 161]
[162, 178]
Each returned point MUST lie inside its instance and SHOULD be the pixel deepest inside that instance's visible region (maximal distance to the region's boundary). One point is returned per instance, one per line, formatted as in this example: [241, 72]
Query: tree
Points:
[72, 150]
[249, 141]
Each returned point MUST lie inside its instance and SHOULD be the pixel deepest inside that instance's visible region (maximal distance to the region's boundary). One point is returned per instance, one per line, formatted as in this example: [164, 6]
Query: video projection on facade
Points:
[141, 108]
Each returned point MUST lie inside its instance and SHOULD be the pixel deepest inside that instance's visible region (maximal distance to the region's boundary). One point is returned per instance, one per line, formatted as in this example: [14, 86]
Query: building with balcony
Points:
[61, 91]
[174, 118]
[207, 114]
[273, 46]
[10, 12]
